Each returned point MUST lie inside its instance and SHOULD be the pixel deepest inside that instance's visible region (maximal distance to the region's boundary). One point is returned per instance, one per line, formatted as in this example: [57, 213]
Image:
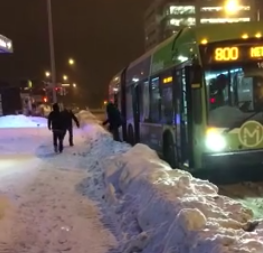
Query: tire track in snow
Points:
[249, 194]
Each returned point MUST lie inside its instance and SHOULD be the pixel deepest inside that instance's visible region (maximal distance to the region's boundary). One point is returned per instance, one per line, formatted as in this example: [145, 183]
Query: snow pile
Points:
[86, 118]
[21, 121]
[165, 210]
[91, 126]
[40, 121]
[157, 209]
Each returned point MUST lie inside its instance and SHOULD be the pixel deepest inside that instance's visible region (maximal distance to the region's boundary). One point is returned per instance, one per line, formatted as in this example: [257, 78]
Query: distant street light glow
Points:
[71, 61]
[232, 6]
[65, 78]
[47, 74]
[74, 85]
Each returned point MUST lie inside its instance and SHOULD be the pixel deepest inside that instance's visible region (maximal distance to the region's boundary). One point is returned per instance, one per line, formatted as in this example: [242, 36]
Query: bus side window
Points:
[144, 101]
[129, 102]
[167, 104]
[155, 100]
[183, 103]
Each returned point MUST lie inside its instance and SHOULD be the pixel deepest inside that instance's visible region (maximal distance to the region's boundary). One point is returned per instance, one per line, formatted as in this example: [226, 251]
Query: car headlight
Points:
[215, 141]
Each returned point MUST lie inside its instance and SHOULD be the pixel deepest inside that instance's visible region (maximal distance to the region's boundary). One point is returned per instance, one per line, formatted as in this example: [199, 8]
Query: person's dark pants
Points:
[115, 134]
[70, 135]
[58, 137]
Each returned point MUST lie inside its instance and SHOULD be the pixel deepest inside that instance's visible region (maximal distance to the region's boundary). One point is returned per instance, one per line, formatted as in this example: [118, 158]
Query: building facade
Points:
[166, 17]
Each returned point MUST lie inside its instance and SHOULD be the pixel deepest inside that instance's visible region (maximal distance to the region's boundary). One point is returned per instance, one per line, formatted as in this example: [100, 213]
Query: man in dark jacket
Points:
[69, 117]
[114, 120]
[56, 123]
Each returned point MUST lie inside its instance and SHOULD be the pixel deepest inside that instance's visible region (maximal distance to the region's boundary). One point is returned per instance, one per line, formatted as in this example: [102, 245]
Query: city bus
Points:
[197, 98]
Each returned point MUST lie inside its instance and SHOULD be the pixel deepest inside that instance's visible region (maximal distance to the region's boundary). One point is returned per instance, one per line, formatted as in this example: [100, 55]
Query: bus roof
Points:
[141, 67]
[117, 78]
[184, 43]
[178, 47]
[221, 32]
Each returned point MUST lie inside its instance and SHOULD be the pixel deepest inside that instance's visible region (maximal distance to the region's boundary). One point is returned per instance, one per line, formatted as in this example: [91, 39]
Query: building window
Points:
[182, 22]
[182, 10]
[220, 8]
[223, 20]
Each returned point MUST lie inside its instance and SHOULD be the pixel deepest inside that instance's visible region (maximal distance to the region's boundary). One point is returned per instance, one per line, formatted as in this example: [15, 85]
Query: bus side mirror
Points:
[194, 85]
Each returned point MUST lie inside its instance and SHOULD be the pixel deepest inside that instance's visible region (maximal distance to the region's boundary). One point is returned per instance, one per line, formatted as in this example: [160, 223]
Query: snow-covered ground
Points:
[104, 196]
[43, 207]
[20, 121]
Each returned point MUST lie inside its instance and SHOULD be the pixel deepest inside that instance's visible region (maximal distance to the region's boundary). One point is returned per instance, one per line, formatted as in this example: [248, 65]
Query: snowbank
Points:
[91, 126]
[161, 210]
[173, 211]
[21, 121]
[86, 117]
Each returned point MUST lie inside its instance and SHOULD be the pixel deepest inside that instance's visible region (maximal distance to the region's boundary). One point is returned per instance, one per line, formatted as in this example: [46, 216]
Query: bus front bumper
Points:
[247, 158]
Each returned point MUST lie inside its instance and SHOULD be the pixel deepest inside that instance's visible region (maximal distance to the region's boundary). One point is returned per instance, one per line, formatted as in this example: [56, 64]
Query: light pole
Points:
[52, 50]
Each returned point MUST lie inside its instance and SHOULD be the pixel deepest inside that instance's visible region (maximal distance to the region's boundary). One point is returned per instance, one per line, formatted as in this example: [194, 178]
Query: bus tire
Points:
[169, 152]
[131, 135]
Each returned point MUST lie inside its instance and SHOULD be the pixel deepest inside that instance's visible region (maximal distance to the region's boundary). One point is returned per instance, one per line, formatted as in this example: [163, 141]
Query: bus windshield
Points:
[234, 94]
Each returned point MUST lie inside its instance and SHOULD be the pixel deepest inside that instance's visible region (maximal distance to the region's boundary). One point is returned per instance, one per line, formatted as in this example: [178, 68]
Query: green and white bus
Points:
[197, 98]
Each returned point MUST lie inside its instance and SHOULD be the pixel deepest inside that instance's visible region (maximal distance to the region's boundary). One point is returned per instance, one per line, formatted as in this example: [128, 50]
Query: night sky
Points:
[102, 36]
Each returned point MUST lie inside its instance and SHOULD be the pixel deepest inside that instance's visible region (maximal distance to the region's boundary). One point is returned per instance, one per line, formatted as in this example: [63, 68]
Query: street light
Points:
[74, 85]
[52, 50]
[47, 74]
[71, 61]
[65, 78]
[232, 6]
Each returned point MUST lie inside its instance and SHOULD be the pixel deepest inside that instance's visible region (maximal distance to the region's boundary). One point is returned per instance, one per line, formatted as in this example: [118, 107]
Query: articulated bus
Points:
[197, 98]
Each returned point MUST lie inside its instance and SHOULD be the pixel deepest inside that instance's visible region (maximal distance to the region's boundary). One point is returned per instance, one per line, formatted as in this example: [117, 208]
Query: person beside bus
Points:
[114, 120]
[56, 123]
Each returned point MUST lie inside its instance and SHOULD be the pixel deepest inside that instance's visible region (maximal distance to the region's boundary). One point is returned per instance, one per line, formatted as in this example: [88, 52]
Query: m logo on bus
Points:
[251, 134]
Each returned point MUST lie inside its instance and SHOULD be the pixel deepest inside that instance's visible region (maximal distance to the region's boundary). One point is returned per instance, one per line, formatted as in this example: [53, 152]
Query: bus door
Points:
[116, 98]
[136, 111]
[182, 117]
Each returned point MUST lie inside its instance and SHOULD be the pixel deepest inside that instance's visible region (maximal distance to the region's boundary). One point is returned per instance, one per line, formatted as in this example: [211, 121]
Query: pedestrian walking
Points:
[56, 123]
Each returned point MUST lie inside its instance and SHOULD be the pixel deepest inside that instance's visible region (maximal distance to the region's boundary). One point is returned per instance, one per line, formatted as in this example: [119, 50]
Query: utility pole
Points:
[52, 50]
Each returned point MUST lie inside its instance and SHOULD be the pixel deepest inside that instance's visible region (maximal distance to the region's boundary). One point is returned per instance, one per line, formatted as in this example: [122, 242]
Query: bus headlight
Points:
[215, 141]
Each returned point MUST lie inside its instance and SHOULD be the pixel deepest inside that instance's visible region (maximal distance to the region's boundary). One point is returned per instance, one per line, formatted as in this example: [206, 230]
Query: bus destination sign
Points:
[218, 54]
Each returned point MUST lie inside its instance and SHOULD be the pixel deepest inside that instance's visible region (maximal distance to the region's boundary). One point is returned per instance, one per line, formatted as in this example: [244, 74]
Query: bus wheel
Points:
[169, 153]
[130, 135]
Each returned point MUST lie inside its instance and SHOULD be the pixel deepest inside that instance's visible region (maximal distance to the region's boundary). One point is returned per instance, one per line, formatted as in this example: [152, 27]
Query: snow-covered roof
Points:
[6, 45]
